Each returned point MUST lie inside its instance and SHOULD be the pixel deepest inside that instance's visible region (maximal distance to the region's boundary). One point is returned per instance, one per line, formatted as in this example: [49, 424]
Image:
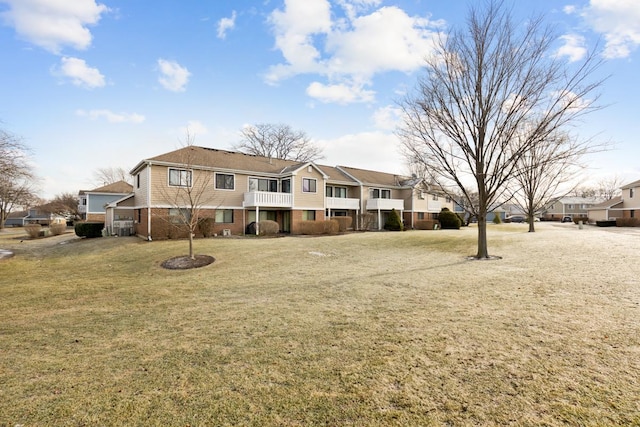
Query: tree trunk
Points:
[483, 251]
[532, 228]
[191, 244]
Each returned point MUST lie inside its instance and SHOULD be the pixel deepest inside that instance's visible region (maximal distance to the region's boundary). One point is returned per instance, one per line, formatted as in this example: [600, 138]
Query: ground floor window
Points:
[264, 216]
[308, 215]
[224, 216]
[138, 214]
[179, 215]
[420, 215]
[338, 213]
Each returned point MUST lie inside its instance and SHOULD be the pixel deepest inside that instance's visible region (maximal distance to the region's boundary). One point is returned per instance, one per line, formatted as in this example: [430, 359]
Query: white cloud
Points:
[348, 51]
[112, 117]
[573, 47]
[226, 24]
[194, 128]
[618, 21]
[368, 150]
[387, 118]
[52, 24]
[173, 76]
[339, 93]
[79, 72]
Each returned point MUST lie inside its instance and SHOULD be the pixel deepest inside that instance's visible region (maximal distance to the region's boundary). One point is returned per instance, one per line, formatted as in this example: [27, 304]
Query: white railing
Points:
[268, 199]
[342, 203]
[82, 208]
[385, 204]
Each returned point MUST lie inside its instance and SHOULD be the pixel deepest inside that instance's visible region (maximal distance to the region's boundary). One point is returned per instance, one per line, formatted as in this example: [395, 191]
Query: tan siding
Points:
[141, 193]
[631, 202]
[304, 200]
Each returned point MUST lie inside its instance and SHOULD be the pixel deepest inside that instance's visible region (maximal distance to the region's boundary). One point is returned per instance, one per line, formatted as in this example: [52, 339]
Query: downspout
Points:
[149, 202]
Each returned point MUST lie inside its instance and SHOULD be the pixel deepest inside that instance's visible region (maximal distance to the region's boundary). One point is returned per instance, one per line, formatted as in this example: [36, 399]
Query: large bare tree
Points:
[65, 204]
[546, 170]
[278, 141]
[17, 180]
[484, 82]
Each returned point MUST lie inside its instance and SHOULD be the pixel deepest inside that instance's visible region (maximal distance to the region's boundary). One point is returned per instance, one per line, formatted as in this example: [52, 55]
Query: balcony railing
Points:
[385, 204]
[267, 199]
[342, 203]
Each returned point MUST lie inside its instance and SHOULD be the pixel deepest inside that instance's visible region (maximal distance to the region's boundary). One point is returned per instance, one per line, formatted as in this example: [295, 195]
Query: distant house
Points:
[624, 206]
[16, 219]
[92, 204]
[573, 207]
[42, 215]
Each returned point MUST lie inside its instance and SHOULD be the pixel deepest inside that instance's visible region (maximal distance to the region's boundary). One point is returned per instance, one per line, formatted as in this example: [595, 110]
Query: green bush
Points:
[268, 228]
[344, 222]
[426, 224]
[496, 219]
[89, 229]
[449, 220]
[393, 223]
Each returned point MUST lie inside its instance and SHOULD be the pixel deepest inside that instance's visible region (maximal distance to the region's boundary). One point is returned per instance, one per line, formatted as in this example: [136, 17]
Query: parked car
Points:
[567, 219]
[515, 218]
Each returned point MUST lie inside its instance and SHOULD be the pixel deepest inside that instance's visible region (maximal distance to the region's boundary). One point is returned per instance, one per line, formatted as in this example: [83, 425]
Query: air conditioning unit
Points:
[226, 232]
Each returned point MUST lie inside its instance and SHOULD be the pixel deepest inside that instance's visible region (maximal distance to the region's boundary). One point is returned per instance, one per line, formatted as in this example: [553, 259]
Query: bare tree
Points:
[65, 204]
[608, 188]
[109, 175]
[544, 170]
[17, 181]
[191, 192]
[483, 84]
[278, 141]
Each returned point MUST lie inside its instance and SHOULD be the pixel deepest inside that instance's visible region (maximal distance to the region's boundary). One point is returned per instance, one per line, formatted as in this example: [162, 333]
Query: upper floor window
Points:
[263, 184]
[377, 193]
[435, 197]
[286, 185]
[569, 206]
[340, 192]
[308, 185]
[631, 193]
[225, 181]
[180, 178]
[138, 181]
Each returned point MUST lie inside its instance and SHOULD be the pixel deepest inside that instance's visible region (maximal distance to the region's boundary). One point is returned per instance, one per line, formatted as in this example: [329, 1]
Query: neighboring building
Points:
[16, 219]
[245, 188]
[624, 206]
[92, 204]
[42, 215]
[573, 207]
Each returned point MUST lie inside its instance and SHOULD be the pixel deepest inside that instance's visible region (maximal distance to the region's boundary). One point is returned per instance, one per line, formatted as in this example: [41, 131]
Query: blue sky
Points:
[93, 84]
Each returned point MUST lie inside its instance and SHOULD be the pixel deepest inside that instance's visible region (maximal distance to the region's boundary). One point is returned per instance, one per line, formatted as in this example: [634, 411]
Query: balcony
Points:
[267, 199]
[342, 203]
[434, 205]
[385, 204]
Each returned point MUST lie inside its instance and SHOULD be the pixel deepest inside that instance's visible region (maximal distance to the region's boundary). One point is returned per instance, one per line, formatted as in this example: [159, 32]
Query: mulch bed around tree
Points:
[183, 262]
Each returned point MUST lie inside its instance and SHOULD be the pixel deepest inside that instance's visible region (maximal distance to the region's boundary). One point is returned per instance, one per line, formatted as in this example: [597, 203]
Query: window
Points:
[263, 184]
[435, 197]
[569, 206]
[179, 178]
[179, 215]
[138, 214]
[420, 215]
[138, 181]
[308, 185]
[340, 192]
[225, 181]
[224, 215]
[376, 193]
[286, 185]
[308, 215]
[631, 193]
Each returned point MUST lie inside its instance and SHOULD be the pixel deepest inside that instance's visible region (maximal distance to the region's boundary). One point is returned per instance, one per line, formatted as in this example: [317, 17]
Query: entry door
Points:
[286, 221]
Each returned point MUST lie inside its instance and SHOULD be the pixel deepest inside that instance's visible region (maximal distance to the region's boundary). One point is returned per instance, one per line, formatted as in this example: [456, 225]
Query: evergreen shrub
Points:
[89, 229]
[393, 223]
[449, 220]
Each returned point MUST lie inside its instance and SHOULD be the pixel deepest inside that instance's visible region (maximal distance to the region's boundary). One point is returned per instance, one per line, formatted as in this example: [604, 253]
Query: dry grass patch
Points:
[384, 329]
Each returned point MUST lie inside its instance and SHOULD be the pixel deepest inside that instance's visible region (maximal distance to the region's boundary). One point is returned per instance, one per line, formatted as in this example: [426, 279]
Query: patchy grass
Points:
[363, 329]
